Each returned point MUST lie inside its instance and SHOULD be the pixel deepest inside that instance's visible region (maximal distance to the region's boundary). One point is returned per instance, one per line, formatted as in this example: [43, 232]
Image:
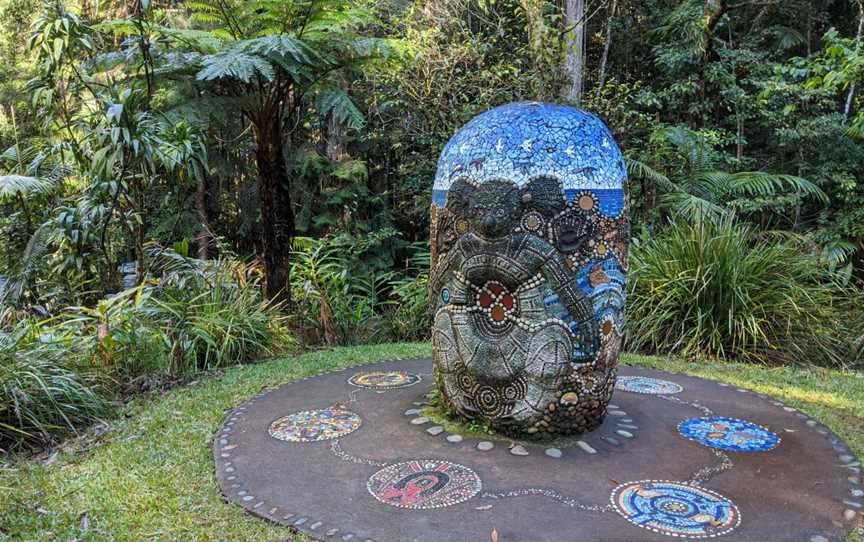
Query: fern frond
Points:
[337, 102]
[236, 65]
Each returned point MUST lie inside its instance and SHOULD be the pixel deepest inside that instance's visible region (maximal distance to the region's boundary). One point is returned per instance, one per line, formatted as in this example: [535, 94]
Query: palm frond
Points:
[694, 208]
[759, 183]
[13, 186]
[29, 261]
[838, 252]
[641, 170]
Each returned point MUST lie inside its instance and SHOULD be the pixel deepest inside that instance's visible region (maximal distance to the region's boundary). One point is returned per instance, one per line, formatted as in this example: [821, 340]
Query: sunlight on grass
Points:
[150, 475]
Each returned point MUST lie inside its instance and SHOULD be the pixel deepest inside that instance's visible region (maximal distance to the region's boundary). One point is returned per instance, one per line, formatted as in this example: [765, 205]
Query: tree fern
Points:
[235, 65]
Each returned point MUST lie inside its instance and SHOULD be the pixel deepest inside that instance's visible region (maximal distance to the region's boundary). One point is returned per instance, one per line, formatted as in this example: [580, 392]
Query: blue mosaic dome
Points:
[521, 141]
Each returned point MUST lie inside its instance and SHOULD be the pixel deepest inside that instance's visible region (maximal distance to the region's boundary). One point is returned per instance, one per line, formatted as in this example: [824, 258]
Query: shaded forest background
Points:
[189, 184]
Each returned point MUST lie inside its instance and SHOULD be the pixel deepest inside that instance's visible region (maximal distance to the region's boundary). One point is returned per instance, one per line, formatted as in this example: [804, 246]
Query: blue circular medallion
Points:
[644, 384]
[445, 295]
[729, 434]
[675, 508]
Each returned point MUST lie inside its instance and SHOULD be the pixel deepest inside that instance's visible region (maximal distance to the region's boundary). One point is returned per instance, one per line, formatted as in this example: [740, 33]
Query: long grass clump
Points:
[720, 289]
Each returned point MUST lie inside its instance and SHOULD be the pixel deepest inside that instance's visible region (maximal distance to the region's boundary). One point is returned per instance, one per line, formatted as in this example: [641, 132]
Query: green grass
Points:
[150, 475]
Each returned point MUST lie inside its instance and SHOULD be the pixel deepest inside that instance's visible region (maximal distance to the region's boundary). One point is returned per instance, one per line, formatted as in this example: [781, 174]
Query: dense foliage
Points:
[290, 148]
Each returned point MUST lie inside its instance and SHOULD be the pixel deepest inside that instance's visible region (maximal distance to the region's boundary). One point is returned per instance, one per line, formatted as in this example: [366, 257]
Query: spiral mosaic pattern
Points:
[647, 385]
[729, 434]
[315, 425]
[675, 509]
[423, 484]
[384, 380]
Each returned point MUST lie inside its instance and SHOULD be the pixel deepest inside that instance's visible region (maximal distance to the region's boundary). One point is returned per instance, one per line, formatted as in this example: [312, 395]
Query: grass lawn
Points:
[150, 475]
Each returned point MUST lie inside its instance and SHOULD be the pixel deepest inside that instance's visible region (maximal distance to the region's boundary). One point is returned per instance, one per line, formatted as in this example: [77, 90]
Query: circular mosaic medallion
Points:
[315, 425]
[424, 484]
[675, 509]
[644, 384]
[384, 380]
[729, 434]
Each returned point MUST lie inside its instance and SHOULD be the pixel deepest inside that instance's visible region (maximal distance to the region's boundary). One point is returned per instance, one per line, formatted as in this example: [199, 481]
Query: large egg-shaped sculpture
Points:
[529, 243]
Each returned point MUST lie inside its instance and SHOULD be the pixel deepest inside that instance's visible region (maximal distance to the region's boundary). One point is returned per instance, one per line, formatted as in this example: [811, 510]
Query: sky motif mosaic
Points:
[675, 509]
[423, 484]
[315, 425]
[384, 380]
[547, 138]
[729, 434]
[647, 385]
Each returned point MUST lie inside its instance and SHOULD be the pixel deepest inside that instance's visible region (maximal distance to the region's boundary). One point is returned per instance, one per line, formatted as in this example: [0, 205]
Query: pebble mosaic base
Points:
[675, 509]
[423, 484]
[384, 380]
[315, 425]
[647, 385]
[683, 509]
[729, 434]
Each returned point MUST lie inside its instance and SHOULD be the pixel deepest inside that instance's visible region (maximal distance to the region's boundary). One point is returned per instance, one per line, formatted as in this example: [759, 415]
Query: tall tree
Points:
[281, 62]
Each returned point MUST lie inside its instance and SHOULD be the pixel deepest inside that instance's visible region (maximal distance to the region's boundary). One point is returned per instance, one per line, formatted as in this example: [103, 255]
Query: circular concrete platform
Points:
[348, 456]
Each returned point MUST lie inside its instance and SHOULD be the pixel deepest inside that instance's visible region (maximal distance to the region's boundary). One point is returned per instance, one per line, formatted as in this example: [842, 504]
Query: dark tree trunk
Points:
[202, 240]
[274, 199]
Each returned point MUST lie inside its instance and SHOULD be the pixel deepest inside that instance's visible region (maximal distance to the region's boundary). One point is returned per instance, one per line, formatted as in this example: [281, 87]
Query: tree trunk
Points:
[202, 240]
[574, 58]
[740, 143]
[848, 108]
[335, 139]
[606, 46]
[274, 199]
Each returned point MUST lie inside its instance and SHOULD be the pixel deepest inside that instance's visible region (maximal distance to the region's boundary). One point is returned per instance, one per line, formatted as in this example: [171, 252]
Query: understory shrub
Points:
[40, 396]
[56, 375]
[212, 313]
[341, 300]
[721, 289]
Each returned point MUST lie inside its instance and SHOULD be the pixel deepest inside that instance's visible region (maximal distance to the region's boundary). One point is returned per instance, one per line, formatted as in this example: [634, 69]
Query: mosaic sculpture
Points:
[529, 236]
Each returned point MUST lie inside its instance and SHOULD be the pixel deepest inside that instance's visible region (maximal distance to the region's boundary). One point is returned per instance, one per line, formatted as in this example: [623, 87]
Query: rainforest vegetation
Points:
[186, 185]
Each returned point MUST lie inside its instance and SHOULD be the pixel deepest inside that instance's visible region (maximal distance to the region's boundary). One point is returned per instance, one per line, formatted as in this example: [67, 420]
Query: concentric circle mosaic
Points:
[315, 425]
[647, 385]
[424, 484]
[729, 434]
[675, 508]
[384, 380]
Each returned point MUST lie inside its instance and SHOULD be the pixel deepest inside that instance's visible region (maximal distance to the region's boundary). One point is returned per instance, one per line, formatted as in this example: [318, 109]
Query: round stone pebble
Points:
[518, 450]
[485, 446]
[553, 452]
